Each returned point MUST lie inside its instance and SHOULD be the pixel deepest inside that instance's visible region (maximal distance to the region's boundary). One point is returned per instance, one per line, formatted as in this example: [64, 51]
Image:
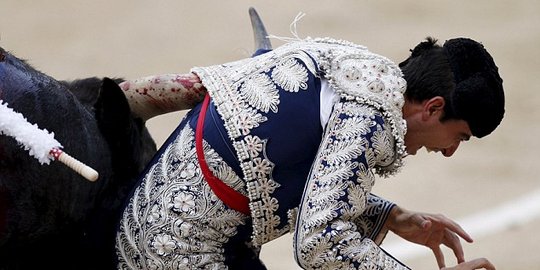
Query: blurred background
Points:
[491, 185]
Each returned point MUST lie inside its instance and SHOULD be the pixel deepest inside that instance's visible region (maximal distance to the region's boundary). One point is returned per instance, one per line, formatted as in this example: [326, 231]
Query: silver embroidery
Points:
[174, 220]
[290, 75]
[243, 96]
[260, 92]
[326, 234]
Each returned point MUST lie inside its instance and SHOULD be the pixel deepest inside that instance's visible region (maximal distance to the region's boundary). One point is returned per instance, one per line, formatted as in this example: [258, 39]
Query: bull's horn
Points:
[259, 32]
[156, 95]
[160, 94]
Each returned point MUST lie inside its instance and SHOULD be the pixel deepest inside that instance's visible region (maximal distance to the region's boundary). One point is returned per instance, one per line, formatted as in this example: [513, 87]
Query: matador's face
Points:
[425, 128]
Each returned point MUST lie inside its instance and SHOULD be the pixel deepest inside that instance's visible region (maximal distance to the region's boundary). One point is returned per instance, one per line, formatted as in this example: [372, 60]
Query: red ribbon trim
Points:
[232, 198]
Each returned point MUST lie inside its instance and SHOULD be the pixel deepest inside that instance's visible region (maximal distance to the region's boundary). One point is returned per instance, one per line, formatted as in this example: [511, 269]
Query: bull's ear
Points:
[125, 136]
[85, 90]
[112, 111]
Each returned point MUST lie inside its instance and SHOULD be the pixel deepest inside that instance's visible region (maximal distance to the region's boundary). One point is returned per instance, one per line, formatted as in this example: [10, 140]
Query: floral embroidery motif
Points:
[163, 244]
[261, 93]
[248, 120]
[183, 202]
[290, 75]
[174, 219]
[254, 145]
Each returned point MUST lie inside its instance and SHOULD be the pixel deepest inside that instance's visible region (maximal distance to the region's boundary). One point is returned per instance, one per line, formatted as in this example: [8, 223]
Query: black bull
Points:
[50, 217]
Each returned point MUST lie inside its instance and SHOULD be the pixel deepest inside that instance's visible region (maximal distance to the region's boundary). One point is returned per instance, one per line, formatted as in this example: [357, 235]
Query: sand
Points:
[72, 38]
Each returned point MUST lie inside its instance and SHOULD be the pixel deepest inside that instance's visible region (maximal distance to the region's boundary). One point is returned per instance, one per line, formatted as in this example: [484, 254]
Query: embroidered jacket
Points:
[301, 176]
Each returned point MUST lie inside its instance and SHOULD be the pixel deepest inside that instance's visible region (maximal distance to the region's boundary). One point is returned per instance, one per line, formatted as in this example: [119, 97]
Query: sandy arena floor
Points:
[484, 185]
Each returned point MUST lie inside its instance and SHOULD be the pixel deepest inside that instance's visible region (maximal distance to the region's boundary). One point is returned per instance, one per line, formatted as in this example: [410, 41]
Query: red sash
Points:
[232, 198]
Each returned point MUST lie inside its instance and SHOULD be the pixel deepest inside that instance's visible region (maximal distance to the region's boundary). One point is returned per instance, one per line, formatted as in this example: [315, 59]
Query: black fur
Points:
[50, 217]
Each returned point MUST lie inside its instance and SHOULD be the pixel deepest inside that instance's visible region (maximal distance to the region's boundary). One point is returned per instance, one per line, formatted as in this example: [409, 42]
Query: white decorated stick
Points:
[40, 143]
[81, 168]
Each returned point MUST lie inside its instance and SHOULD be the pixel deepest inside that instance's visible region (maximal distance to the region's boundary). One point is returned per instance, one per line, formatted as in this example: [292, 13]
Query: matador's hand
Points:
[430, 230]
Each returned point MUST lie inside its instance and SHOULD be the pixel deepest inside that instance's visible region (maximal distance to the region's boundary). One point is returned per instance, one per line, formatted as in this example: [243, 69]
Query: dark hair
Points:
[428, 74]
[464, 74]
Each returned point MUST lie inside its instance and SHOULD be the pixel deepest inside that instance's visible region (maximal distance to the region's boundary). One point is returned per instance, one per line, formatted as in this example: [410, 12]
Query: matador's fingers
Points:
[439, 256]
[451, 240]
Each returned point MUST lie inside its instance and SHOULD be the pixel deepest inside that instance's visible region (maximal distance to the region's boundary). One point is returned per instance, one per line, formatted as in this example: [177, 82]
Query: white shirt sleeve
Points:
[327, 100]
